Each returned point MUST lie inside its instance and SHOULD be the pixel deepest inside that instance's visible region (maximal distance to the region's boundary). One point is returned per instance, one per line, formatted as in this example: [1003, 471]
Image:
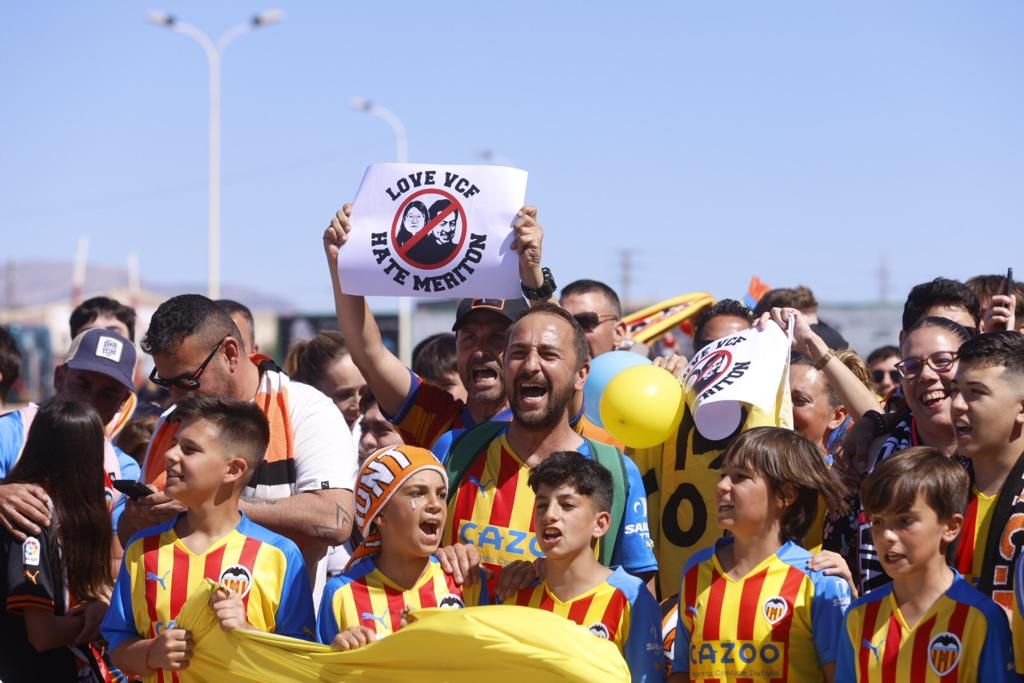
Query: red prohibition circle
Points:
[707, 374]
[400, 251]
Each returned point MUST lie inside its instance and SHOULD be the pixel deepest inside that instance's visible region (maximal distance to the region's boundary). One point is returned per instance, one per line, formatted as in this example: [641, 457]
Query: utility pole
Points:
[883, 280]
[626, 264]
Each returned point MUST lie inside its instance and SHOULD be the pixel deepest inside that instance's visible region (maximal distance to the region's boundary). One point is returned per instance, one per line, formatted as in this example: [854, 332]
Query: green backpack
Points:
[468, 445]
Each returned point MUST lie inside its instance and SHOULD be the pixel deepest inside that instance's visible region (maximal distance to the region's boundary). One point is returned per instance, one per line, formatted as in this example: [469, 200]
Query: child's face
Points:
[198, 463]
[566, 522]
[908, 541]
[746, 503]
[413, 520]
[987, 409]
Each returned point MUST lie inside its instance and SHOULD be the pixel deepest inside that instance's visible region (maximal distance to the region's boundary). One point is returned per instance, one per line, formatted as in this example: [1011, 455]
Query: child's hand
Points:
[832, 564]
[229, 609]
[170, 651]
[353, 638]
[517, 576]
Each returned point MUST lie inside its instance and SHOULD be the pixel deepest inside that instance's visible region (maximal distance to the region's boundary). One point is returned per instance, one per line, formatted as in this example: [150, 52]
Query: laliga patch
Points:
[775, 609]
[599, 630]
[30, 552]
[236, 579]
[110, 348]
[452, 601]
[944, 653]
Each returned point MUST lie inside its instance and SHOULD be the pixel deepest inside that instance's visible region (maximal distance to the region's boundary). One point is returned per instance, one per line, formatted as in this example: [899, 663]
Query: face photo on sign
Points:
[432, 229]
[414, 217]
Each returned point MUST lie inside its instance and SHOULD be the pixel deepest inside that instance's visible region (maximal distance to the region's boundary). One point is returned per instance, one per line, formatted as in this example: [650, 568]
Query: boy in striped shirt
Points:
[573, 497]
[400, 511]
[930, 624]
[750, 608]
[262, 578]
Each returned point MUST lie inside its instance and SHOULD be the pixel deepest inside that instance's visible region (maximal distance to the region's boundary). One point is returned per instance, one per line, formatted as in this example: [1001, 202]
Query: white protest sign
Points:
[747, 367]
[428, 230]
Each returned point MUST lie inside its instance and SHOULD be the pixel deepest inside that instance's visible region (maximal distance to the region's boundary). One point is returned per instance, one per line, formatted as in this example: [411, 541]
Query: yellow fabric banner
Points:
[500, 643]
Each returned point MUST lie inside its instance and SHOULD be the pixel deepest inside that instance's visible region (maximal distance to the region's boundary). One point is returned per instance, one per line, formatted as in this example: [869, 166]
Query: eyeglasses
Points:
[879, 375]
[940, 361]
[188, 381]
[589, 321]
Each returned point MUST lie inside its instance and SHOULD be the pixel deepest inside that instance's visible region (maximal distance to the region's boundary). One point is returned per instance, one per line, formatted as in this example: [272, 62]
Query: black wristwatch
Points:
[546, 289]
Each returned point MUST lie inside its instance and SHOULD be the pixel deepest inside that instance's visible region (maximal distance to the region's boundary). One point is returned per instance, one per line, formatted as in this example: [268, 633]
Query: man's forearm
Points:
[385, 374]
[310, 519]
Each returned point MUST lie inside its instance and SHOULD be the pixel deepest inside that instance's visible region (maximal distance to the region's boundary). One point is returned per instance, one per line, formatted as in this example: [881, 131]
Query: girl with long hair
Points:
[57, 583]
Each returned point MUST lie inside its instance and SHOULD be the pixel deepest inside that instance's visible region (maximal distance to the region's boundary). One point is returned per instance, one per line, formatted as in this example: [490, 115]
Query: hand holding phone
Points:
[131, 488]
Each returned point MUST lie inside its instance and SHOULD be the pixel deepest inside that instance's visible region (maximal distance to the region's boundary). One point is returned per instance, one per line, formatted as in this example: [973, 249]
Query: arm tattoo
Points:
[341, 517]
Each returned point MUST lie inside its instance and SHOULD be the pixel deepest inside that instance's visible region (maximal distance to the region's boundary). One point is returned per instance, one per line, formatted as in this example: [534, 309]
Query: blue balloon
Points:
[602, 370]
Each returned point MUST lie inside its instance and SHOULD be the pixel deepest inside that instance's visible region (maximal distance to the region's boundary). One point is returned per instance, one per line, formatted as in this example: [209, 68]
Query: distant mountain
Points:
[33, 283]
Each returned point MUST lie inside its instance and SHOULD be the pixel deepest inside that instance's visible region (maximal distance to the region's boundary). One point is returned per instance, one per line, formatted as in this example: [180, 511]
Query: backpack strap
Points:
[464, 450]
[611, 459]
[468, 445]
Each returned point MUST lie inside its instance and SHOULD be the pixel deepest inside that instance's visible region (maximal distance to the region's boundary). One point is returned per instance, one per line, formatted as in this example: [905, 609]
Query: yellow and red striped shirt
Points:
[619, 609]
[364, 596]
[493, 510]
[963, 637]
[970, 552]
[780, 622]
[430, 411]
[159, 573]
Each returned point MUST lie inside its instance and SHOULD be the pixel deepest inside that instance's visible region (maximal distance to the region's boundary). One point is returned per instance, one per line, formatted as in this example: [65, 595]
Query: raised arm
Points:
[851, 392]
[386, 375]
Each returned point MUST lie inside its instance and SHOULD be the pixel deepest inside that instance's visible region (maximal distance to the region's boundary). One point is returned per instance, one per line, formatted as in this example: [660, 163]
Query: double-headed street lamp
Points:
[214, 53]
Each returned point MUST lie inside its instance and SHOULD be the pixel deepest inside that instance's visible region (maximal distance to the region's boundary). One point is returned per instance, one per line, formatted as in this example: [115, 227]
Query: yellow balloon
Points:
[642, 406]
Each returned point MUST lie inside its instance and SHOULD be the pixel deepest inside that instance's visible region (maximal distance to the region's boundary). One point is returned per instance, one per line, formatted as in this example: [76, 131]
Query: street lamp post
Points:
[402, 156]
[214, 53]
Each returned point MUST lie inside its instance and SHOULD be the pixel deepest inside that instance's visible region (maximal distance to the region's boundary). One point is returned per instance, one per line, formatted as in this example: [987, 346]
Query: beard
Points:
[548, 416]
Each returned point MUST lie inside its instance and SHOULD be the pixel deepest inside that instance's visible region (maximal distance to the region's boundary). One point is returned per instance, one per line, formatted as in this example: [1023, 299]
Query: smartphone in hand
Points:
[131, 488]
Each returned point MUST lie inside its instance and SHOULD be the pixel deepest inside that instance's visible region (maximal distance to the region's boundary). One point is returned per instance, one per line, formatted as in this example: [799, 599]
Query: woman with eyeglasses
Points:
[929, 351]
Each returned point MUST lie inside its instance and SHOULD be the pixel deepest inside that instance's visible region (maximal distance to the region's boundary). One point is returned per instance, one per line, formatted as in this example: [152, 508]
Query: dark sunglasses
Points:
[940, 361]
[188, 381]
[589, 321]
[879, 375]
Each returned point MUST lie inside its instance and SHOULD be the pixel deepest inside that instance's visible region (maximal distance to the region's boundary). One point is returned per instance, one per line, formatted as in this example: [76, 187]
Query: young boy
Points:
[988, 414]
[401, 508]
[750, 607]
[929, 624]
[263, 580]
[571, 513]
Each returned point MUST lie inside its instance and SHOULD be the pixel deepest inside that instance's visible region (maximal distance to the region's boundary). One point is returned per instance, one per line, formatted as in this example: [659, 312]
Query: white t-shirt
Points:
[324, 456]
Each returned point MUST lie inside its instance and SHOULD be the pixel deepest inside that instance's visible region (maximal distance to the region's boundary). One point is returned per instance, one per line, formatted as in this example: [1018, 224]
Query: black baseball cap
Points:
[103, 351]
[508, 308]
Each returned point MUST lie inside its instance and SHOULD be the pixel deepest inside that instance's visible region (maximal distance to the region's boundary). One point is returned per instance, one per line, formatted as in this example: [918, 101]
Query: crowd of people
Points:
[867, 529]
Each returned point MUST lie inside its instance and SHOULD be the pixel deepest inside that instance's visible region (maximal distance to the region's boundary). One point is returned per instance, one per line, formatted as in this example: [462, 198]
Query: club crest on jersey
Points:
[944, 653]
[774, 609]
[599, 630]
[236, 579]
[451, 601]
[30, 552]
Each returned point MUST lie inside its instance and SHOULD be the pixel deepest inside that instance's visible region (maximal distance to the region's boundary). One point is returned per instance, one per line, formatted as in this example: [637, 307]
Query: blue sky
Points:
[800, 141]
